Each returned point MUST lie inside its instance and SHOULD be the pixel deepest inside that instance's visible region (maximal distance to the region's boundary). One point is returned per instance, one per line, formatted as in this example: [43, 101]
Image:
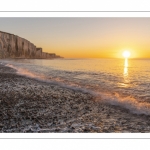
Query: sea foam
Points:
[128, 102]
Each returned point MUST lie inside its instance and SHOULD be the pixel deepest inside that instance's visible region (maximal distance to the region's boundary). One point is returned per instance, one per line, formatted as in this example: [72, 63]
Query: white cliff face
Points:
[13, 46]
[38, 52]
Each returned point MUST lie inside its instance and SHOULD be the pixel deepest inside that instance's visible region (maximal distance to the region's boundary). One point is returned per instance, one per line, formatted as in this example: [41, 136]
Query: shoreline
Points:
[30, 105]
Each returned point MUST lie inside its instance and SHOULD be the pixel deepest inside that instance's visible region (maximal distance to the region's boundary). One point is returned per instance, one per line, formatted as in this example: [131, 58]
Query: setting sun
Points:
[126, 54]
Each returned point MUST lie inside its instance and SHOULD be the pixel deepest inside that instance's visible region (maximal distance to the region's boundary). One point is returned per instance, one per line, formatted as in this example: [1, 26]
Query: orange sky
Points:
[84, 37]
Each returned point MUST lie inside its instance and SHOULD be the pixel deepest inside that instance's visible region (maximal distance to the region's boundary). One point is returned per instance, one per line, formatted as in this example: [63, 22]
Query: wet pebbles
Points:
[28, 105]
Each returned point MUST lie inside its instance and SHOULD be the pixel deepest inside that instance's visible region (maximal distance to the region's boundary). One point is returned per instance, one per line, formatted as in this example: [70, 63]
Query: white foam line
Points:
[128, 102]
[26, 73]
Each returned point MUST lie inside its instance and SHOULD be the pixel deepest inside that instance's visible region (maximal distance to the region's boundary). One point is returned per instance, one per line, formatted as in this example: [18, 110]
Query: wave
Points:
[130, 103]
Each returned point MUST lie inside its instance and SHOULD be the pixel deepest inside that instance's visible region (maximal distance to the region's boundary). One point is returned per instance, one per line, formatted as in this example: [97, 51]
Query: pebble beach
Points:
[30, 105]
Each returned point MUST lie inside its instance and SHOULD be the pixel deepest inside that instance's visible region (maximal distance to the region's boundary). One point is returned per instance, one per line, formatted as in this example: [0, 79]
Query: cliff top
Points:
[15, 35]
[6, 32]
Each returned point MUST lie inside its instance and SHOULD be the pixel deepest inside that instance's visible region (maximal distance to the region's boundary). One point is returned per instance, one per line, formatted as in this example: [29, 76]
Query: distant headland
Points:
[13, 46]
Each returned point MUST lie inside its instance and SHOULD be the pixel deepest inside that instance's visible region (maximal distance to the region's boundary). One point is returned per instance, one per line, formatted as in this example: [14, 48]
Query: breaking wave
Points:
[128, 102]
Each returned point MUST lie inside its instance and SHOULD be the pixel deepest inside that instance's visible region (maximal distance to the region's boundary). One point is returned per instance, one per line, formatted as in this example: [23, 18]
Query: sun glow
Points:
[126, 54]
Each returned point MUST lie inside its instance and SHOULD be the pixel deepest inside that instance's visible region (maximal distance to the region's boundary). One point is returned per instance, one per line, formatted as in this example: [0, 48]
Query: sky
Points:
[84, 37]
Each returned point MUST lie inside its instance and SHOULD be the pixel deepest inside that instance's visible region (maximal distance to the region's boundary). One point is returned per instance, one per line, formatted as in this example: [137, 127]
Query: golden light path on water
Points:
[126, 54]
[125, 73]
[126, 67]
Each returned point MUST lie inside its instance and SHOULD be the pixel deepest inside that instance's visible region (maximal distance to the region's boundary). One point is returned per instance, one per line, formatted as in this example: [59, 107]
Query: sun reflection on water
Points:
[125, 73]
[126, 67]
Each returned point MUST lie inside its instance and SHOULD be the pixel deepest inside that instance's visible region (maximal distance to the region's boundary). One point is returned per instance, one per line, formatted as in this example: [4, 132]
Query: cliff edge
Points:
[13, 46]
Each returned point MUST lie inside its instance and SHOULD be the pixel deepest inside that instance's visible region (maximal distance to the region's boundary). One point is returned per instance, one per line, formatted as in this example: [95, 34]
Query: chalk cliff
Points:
[13, 46]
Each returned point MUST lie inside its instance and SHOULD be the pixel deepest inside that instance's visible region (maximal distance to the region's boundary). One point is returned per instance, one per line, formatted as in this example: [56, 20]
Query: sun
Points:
[126, 54]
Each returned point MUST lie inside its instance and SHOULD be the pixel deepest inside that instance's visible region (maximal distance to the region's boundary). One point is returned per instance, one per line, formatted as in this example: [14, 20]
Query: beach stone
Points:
[28, 105]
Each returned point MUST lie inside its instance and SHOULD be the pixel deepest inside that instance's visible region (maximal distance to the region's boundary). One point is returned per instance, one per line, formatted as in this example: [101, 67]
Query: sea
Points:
[121, 82]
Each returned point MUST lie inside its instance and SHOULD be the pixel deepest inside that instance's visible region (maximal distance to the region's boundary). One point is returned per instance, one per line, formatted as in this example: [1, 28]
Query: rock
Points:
[13, 46]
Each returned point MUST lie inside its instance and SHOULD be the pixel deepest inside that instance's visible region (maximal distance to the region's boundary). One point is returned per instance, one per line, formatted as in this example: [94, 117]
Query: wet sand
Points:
[29, 105]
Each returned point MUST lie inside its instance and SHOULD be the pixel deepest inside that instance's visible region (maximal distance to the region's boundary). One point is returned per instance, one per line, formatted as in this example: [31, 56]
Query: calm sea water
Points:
[115, 81]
